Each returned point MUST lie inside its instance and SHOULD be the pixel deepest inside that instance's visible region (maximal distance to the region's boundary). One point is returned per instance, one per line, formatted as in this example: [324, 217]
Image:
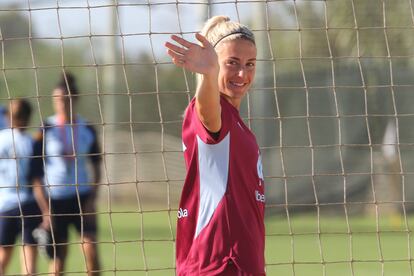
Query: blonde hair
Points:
[219, 28]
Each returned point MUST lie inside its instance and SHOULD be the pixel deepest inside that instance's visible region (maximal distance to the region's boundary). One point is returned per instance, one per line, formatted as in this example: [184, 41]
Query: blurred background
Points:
[332, 106]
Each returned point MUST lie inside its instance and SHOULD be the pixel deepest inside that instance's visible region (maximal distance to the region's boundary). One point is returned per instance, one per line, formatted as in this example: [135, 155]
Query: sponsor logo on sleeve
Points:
[260, 169]
[260, 197]
[182, 213]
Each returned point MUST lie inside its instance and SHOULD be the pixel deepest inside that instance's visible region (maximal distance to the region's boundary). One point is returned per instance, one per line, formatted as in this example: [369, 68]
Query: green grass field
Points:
[293, 248]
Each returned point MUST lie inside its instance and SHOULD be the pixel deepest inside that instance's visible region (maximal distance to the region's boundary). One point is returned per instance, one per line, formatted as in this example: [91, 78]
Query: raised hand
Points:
[196, 58]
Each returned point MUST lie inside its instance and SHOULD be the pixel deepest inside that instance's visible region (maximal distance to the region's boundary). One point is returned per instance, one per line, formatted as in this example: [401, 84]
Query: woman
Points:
[220, 228]
[17, 175]
[69, 142]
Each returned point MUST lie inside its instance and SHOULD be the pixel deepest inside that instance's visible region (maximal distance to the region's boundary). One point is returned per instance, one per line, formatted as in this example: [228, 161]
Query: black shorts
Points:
[12, 225]
[65, 212]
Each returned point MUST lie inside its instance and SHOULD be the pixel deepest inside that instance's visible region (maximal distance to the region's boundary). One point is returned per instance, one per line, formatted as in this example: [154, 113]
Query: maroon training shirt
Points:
[221, 212]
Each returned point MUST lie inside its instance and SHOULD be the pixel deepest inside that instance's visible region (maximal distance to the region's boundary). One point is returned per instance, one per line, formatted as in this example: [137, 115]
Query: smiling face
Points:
[237, 60]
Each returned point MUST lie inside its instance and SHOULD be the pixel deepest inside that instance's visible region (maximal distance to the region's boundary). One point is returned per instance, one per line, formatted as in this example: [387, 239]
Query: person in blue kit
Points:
[19, 212]
[69, 143]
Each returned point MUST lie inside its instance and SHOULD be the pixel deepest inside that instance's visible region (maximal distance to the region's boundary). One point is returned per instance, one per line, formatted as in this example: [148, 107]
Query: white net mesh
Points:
[332, 109]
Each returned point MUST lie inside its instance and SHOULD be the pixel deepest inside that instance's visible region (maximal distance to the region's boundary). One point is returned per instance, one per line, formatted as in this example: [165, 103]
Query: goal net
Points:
[332, 108]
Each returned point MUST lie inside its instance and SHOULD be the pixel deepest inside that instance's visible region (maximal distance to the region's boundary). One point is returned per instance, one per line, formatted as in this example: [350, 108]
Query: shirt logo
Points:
[260, 197]
[182, 213]
[260, 169]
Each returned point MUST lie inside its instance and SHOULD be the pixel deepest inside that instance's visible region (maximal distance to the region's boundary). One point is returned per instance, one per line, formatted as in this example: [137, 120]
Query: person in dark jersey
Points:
[220, 228]
[19, 212]
[69, 143]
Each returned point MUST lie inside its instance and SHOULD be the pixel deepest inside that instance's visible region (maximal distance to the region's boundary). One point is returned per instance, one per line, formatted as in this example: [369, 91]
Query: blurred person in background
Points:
[220, 226]
[69, 143]
[19, 213]
[3, 120]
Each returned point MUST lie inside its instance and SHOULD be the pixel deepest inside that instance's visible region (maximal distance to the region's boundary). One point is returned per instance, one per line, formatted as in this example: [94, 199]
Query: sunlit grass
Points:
[133, 243]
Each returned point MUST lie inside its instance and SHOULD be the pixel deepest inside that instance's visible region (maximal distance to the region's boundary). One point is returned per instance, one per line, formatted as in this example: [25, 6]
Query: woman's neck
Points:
[233, 101]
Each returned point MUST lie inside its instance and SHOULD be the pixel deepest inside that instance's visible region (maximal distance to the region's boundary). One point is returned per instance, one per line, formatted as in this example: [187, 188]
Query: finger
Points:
[182, 41]
[178, 62]
[203, 40]
[175, 55]
[176, 58]
[175, 48]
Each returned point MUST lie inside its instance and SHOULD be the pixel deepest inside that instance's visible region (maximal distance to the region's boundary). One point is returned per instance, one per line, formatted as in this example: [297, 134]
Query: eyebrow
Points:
[236, 58]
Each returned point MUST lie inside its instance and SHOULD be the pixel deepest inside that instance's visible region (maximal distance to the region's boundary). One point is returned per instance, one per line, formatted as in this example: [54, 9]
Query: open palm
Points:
[196, 58]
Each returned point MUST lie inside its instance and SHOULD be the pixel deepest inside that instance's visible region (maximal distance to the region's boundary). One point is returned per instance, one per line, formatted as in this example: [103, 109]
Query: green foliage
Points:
[307, 39]
[13, 25]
